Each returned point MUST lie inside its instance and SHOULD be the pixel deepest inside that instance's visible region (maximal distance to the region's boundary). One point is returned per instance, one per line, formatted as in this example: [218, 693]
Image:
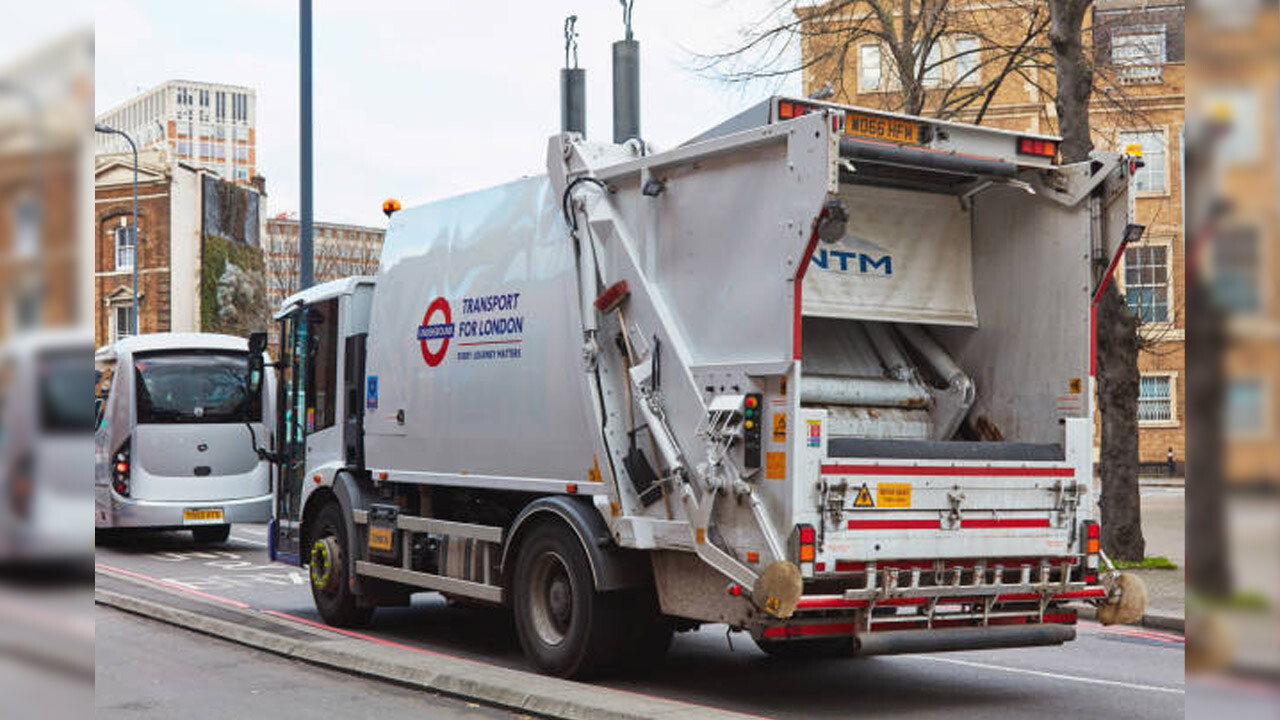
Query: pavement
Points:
[233, 592]
[151, 670]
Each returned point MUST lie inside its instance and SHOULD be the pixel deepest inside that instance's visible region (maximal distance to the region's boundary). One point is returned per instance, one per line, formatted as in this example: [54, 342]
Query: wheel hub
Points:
[551, 592]
[325, 559]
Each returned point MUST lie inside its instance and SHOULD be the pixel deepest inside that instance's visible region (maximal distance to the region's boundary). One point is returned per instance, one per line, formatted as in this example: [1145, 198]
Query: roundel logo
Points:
[436, 327]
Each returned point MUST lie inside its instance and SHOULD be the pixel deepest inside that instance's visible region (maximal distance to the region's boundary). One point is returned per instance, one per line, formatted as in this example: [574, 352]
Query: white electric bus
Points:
[176, 435]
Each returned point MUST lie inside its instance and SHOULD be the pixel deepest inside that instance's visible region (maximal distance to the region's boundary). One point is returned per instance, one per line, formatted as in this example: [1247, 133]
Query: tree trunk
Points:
[1117, 329]
[1118, 381]
[1074, 76]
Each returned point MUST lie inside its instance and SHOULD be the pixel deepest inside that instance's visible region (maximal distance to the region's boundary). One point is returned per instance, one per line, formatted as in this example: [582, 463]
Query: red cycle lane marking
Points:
[1101, 629]
[173, 585]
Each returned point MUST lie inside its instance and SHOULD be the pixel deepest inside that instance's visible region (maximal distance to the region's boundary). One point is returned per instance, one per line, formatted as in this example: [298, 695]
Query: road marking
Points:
[170, 584]
[259, 543]
[252, 530]
[1051, 675]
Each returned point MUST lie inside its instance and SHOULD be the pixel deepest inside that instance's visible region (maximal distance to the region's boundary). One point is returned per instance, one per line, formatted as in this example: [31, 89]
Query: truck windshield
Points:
[193, 388]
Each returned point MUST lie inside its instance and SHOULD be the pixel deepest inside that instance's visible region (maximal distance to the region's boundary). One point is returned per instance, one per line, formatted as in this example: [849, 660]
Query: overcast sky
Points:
[420, 100]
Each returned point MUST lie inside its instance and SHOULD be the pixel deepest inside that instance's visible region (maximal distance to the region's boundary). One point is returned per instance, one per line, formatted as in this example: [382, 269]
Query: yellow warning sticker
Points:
[893, 495]
[864, 498]
[779, 427]
[1075, 386]
[775, 466]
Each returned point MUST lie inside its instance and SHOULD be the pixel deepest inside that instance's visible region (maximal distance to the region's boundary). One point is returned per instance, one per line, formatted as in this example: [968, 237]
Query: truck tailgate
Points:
[887, 509]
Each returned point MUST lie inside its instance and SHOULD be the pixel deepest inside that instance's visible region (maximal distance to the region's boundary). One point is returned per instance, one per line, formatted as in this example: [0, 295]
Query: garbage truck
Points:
[822, 374]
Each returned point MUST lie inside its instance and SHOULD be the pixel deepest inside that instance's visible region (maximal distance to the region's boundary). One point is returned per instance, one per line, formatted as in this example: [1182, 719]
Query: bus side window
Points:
[102, 388]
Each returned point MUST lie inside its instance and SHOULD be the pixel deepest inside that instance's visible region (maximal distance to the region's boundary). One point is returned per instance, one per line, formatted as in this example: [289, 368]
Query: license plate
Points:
[380, 539]
[881, 128]
[202, 516]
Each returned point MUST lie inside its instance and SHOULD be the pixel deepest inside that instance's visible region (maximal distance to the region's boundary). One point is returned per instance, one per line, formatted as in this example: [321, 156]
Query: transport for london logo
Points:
[436, 327]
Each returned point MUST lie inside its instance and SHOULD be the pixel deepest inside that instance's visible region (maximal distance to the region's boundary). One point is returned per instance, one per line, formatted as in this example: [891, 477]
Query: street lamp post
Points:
[133, 230]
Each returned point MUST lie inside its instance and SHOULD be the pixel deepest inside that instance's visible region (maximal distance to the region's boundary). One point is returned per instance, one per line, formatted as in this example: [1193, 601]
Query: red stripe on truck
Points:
[783, 631]
[943, 470]
[895, 525]
[1005, 523]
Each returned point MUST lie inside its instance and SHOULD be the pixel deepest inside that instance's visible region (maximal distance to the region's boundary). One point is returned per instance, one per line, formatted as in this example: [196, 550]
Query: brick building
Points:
[1237, 79]
[44, 253]
[191, 224]
[1138, 50]
[340, 251]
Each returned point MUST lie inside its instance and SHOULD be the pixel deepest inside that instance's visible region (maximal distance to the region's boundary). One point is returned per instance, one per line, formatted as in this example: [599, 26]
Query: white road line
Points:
[1054, 676]
[259, 543]
[261, 532]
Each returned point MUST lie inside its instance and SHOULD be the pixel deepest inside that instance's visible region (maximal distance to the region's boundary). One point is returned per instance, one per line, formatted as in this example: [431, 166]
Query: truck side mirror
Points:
[257, 345]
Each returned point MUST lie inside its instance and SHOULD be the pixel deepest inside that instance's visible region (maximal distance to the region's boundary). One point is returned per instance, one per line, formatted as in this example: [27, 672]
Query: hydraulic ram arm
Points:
[673, 226]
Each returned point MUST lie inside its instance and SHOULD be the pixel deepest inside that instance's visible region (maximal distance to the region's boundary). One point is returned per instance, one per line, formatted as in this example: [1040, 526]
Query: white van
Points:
[173, 447]
[46, 440]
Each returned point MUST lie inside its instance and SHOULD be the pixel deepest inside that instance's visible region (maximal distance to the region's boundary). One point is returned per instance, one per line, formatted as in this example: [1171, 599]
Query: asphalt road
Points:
[1107, 672]
[147, 669]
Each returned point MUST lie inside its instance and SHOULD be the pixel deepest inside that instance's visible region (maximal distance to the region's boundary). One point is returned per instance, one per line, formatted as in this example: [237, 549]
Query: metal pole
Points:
[626, 83]
[305, 241]
[133, 232]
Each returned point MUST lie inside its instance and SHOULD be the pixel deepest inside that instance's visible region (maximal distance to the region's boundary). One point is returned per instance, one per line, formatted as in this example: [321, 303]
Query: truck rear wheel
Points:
[330, 584]
[565, 627]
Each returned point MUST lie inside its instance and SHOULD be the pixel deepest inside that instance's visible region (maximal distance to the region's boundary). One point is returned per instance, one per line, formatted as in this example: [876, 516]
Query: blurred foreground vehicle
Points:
[175, 436]
[46, 440]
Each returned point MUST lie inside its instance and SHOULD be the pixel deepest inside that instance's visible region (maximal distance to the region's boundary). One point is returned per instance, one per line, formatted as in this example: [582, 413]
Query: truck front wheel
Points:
[565, 627]
[330, 584]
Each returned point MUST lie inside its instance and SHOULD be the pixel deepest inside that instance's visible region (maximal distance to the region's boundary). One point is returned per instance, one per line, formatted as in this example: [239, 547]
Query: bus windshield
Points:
[194, 387]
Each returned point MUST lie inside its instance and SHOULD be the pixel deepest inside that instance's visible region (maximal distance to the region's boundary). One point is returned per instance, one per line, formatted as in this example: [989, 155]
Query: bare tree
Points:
[928, 71]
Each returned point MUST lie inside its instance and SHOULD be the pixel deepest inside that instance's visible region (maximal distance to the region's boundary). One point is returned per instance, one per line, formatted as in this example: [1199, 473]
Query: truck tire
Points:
[211, 533]
[330, 586]
[822, 649]
[565, 627]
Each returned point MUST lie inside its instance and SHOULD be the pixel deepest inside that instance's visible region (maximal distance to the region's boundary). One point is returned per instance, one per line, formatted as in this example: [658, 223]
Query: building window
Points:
[26, 228]
[1138, 46]
[931, 75]
[1150, 178]
[242, 153]
[1246, 407]
[1240, 140]
[1155, 399]
[1146, 282]
[1237, 262]
[967, 56]
[122, 327]
[869, 74]
[124, 248]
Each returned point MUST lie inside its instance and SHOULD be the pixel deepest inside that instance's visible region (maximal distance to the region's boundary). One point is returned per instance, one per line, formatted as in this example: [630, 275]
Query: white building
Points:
[207, 125]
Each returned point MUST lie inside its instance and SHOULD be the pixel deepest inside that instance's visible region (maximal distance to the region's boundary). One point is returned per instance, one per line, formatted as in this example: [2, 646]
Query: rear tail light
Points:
[20, 487]
[120, 471]
[1091, 545]
[1038, 146]
[789, 109]
[806, 549]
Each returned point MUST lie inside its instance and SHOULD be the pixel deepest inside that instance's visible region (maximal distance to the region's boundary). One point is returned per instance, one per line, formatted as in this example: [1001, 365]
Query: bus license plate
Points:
[380, 539]
[202, 516]
[882, 128]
